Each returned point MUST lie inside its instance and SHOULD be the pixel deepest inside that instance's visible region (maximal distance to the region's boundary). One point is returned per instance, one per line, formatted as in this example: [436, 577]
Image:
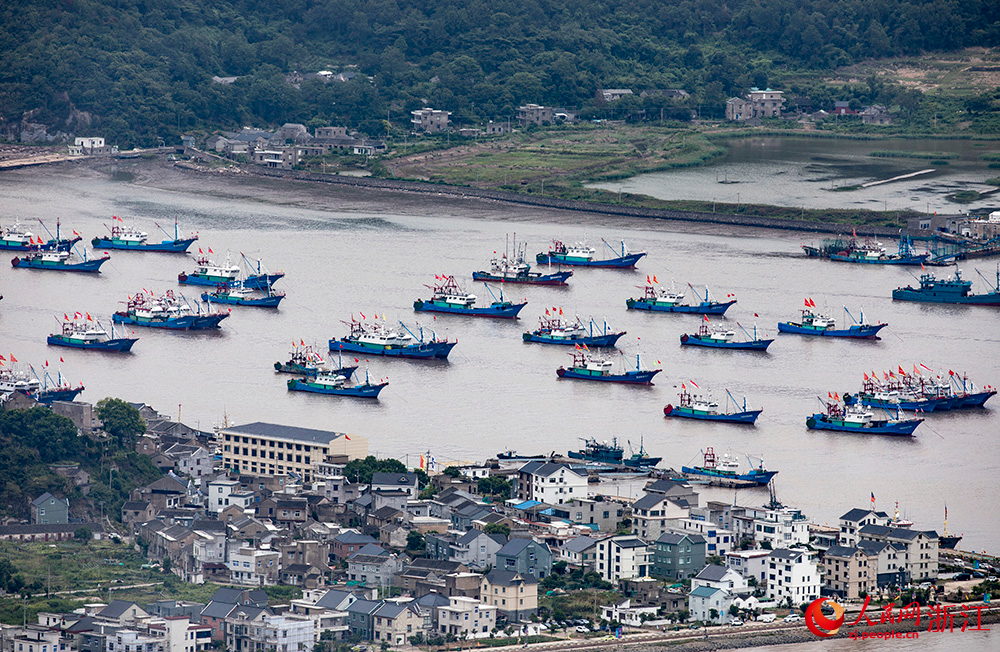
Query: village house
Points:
[430, 120]
[48, 509]
[513, 594]
[622, 557]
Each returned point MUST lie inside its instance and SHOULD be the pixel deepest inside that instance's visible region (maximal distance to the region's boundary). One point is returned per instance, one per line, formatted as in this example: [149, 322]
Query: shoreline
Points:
[506, 197]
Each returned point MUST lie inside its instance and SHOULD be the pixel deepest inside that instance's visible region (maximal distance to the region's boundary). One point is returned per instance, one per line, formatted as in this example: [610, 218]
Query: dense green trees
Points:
[134, 70]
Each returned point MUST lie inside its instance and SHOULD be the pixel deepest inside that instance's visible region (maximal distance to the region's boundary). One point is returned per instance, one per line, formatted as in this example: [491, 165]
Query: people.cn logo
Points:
[818, 623]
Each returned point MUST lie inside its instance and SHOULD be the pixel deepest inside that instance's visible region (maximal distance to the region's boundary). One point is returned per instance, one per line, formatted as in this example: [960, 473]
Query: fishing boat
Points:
[640, 459]
[373, 337]
[718, 337]
[515, 269]
[448, 297]
[329, 382]
[241, 295]
[553, 329]
[130, 237]
[660, 299]
[828, 247]
[692, 406]
[858, 419]
[813, 323]
[600, 452]
[512, 455]
[80, 333]
[18, 238]
[60, 261]
[588, 367]
[727, 468]
[946, 539]
[207, 272]
[305, 361]
[952, 290]
[582, 255]
[871, 252]
[915, 392]
[167, 311]
[24, 379]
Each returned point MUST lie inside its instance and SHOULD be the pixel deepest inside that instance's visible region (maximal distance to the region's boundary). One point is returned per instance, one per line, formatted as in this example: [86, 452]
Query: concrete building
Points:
[758, 104]
[466, 618]
[604, 515]
[677, 556]
[918, 549]
[550, 483]
[254, 566]
[652, 515]
[852, 522]
[430, 120]
[525, 556]
[710, 605]
[513, 594]
[394, 621]
[749, 563]
[273, 450]
[792, 574]
[849, 571]
[48, 509]
[622, 557]
[534, 114]
[580, 552]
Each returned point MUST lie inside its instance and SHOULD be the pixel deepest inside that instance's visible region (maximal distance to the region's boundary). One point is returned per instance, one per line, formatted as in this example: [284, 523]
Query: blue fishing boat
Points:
[43, 389]
[581, 255]
[953, 290]
[813, 323]
[18, 238]
[207, 272]
[305, 361]
[718, 337]
[859, 419]
[59, 261]
[692, 406]
[640, 459]
[588, 367]
[448, 297]
[659, 299]
[131, 238]
[80, 333]
[873, 253]
[915, 392]
[167, 311]
[728, 469]
[372, 337]
[515, 269]
[240, 295]
[331, 383]
[599, 452]
[553, 330]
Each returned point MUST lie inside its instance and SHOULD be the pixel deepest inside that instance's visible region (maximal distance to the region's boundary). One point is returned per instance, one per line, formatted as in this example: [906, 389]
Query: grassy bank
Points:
[895, 153]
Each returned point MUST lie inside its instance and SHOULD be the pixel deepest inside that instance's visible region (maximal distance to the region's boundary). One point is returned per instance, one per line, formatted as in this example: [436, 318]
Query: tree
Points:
[121, 420]
[734, 610]
[497, 528]
[452, 472]
[713, 613]
[83, 534]
[415, 541]
[427, 492]
[361, 470]
[494, 486]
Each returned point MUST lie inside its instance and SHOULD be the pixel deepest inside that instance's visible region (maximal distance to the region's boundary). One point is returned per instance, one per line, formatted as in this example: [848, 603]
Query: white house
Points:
[718, 540]
[623, 557]
[749, 563]
[704, 599]
[466, 618]
[550, 483]
[626, 614]
[854, 520]
[219, 492]
[919, 549]
[720, 577]
[784, 527]
[792, 574]
[652, 515]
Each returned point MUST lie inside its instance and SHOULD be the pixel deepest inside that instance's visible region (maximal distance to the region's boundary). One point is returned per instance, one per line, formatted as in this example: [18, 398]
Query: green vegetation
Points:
[494, 486]
[892, 153]
[990, 156]
[31, 440]
[361, 470]
[993, 181]
[497, 528]
[137, 71]
[584, 603]
[963, 196]
[121, 420]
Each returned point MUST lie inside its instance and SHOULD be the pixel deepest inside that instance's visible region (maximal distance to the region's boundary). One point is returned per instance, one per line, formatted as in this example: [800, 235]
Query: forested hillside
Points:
[132, 70]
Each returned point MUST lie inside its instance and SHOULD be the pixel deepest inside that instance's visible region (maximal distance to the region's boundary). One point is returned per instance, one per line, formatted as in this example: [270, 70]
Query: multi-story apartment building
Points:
[272, 449]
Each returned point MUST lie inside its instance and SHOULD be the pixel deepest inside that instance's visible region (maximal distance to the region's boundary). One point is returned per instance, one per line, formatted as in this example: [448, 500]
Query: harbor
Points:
[494, 388]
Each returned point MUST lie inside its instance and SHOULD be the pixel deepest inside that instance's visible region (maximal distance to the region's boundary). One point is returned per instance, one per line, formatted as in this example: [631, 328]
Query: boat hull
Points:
[187, 322]
[358, 391]
[301, 370]
[590, 340]
[47, 396]
[504, 311]
[886, 260]
[931, 296]
[414, 351]
[629, 377]
[761, 478]
[897, 428]
[257, 282]
[752, 345]
[531, 278]
[858, 332]
[14, 245]
[271, 301]
[748, 416]
[619, 262]
[118, 344]
[703, 308]
[165, 246]
[92, 266]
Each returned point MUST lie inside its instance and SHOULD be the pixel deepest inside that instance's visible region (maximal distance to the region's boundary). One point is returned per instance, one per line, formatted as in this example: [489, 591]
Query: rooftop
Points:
[276, 431]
